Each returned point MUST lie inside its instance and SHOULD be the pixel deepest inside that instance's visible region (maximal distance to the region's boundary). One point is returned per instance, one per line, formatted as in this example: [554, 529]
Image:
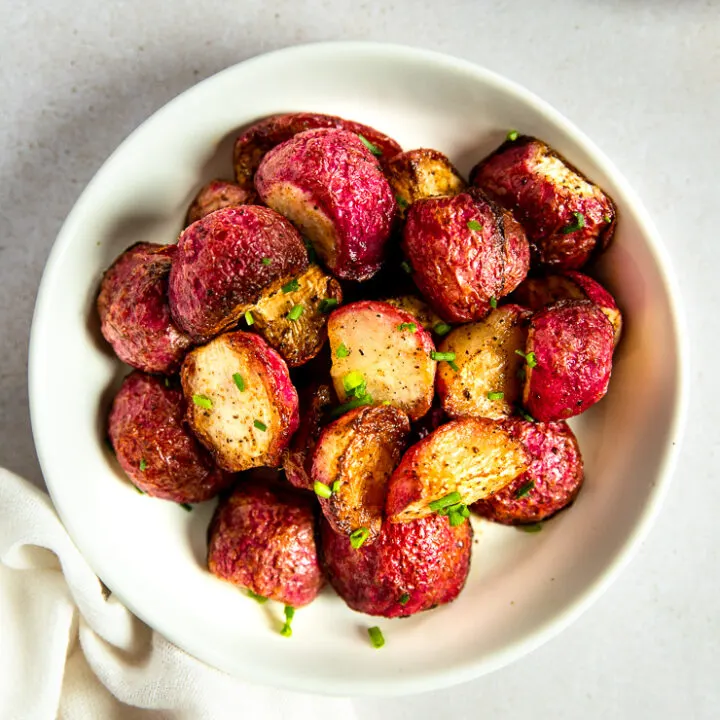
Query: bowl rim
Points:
[442, 677]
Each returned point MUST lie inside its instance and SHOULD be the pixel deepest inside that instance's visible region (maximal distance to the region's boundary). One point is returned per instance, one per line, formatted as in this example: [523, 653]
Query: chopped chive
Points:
[295, 312]
[312, 255]
[474, 225]
[358, 537]
[446, 501]
[321, 489]
[203, 401]
[286, 630]
[327, 304]
[495, 395]
[402, 202]
[412, 327]
[404, 598]
[257, 598]
[292, 286]
[453, 365]
[249, 319]
[260, 425]
[352, 381]
[465, 511]
[386, 402]
[167, 382]
[440, 356]
[186, 506]
[530, 358]
[523, 490]
[142, 492]
[526, 415]
[577, 224]
[143, 465]
[607, 219]
[342, 351]
[512, 136]
[535, 527]
[335, 486]
[442, 329]
[351, 405]
[238, 380]
[266, 261]
[493, 302]
[376, 637]
[405, 265]
[374, 149]
[456, 518]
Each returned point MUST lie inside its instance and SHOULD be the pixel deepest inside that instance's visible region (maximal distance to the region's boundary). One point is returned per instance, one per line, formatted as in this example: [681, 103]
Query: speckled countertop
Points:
[642, 78]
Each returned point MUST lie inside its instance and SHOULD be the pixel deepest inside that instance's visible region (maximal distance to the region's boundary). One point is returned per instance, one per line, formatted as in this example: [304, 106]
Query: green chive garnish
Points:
[203, 401]
[286, 630]
[523, 490]
[167, 382]
[327, 304]
[322, 490]
[260, 425]
[495, 395]
[535, 527]
[257, 598]
[142, 492]
[474, 225]
[335, 486]
[530, 358]
[295, 312]
[292, 286]
[342, 351]
[440, 356]
[404, 598]
[607, 219]
[402, 202]
[376, 637]
[238, 379]
[352, 381]
[143, 465]
[249, 319]
[493, 302]
[453, 365]
[351, 405]
[512, 136]
[405, 265]
[456, 518]
[186, 506]
[577, 224]
[266, 261]
[358, 537]
[446, 501]
[412, 327]
[442, 329]
[374, 149]
[526, 415]
[312, 255]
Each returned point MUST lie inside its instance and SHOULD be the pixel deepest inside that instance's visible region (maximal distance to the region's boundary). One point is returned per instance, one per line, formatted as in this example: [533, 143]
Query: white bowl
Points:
[523, 588]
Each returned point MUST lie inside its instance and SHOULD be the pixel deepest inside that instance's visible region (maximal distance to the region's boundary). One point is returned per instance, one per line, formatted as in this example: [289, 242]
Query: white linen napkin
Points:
[69, 650]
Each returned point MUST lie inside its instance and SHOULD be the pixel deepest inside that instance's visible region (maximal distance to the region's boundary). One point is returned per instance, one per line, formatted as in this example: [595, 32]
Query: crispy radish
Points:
[473, 457]
[241, 403]
[353, 460]
[384, 352]
[292, 316]
[486, 382]
[569, 360]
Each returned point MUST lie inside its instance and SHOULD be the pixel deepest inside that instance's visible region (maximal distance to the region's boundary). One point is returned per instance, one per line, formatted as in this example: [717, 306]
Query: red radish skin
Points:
[551, 482]
[155, 447]
[572, 342]
[218, 271]
[426, 559]
[262, 537]
[134, 312]
[218, 194]
[330, 186]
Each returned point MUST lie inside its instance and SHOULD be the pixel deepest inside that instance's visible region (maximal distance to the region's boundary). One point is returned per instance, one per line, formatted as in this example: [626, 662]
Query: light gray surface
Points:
[641, 78]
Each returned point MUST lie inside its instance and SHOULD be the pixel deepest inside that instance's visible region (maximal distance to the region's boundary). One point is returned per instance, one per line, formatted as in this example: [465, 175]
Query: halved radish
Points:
[462, 461]
[241, 402]
[384, 354]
